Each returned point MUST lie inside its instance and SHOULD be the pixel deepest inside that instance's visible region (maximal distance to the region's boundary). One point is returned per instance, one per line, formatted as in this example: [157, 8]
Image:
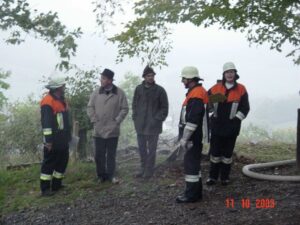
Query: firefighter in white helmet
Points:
[230, 106]
[190, 129]
[57, 134]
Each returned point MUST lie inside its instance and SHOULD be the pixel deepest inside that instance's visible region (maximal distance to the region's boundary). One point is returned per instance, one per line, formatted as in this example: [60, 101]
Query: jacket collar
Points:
[190, 89]
[144, 84]
[114, 90]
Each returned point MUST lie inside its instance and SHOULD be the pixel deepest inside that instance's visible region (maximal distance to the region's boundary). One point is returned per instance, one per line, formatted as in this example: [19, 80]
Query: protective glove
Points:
[187, 133]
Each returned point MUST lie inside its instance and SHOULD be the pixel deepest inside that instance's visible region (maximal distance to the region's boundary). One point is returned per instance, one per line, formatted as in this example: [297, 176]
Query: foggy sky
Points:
[264, 72]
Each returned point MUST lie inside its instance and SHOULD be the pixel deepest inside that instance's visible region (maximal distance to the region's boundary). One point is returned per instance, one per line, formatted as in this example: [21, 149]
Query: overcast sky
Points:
[265, 73]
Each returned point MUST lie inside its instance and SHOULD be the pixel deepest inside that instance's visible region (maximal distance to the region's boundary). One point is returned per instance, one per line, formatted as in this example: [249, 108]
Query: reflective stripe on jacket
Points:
[228, 114]
[55, 121]
[193, 109]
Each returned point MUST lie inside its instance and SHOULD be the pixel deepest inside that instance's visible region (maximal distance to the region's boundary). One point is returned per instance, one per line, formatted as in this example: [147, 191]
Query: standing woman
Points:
[230, 106]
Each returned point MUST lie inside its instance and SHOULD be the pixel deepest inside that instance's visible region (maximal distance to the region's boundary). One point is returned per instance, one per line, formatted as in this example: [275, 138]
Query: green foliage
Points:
[19, 19]
[256, 134]
[79, 88]
[267, 151]
[275, 22]
[285, 135]
[21, 131]
[3, 86]
[128, 134]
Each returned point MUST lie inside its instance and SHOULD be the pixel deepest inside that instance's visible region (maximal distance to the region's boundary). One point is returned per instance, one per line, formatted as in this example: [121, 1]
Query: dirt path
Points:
[153, 202]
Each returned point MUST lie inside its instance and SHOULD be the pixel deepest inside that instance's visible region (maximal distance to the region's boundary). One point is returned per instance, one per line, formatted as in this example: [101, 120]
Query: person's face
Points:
[149, 78]
[185, 82]
[105, 81]
[229, 76]
[61, 90]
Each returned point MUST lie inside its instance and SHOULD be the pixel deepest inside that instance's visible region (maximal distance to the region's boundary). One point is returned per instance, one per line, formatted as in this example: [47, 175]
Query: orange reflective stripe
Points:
[57, 106]
[197, 92]
[234, 95]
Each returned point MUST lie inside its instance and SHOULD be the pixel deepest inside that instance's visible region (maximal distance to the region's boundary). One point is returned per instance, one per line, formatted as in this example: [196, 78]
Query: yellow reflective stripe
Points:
[191, 178]
[60, 121]
[45, 176]
[47, 131]
[58, 175]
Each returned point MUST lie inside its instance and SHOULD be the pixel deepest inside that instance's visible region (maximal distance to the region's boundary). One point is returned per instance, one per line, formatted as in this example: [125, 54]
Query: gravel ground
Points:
[141, 202]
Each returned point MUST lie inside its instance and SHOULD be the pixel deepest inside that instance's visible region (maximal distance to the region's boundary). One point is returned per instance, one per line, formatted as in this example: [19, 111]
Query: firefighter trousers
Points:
[192, 168]
[221, 156]
[53, 168]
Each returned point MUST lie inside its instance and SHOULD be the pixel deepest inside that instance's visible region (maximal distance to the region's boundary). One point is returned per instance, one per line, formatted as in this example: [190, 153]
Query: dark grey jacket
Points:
[149, 109]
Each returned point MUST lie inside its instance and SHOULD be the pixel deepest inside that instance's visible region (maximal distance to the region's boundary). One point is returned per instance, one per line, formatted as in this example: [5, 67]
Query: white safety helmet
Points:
[56, 81]
[229, 66]
[190, 72]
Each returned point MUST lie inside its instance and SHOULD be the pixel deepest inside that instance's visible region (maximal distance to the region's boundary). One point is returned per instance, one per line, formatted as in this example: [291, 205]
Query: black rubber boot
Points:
[214, 171]
[192, 193]
[45, 188]
[225, 171]
[56, 184]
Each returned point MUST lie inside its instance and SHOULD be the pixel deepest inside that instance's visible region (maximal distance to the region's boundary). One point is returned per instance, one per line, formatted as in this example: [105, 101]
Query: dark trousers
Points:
[55, 162]
[221, 151]
[192, 168]
[147, 145]
[105, 157]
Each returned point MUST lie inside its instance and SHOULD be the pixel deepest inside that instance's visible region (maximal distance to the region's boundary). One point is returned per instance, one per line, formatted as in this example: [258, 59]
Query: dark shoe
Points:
[184, 199]
[47, 193]
[100, 180]
[139, 175]
[210, 182]
[62, 186]
[225, 182]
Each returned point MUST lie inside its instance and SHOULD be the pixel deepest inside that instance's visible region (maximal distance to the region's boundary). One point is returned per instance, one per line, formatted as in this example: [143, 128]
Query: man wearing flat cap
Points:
[106, 109]
[149, 109]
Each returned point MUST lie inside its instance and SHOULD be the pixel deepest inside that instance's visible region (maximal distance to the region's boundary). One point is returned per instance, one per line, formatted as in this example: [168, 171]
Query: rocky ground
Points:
[140, 202]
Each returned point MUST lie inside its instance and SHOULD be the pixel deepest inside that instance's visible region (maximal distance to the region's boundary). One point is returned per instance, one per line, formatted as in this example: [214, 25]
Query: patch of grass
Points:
[20, 189]
[267, 152]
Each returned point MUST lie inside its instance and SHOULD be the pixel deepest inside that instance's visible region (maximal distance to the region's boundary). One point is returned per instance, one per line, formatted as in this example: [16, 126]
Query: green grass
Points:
[267, 152]
[19, 189]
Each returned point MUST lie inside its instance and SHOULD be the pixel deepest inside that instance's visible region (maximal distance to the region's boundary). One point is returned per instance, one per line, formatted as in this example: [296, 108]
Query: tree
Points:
[275, 22]
[18, 19]
[128, 134]
[3, 86]
[80, 86]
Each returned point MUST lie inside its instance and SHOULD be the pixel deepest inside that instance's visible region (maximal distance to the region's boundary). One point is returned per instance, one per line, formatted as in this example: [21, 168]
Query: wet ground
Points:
[138, 202]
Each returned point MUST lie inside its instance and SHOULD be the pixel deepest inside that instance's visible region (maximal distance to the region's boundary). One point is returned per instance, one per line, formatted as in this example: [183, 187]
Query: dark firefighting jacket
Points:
[228, 113]
[55, 121]
[193, 110]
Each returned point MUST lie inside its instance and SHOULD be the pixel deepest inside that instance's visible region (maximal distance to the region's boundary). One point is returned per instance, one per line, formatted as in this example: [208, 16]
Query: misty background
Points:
[272, 80]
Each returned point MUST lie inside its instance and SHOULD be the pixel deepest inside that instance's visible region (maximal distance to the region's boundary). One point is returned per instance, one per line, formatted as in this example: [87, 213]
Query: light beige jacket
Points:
[107, 111]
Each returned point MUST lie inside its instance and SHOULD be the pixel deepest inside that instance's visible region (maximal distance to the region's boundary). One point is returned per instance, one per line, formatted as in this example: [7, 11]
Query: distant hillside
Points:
[275, 112]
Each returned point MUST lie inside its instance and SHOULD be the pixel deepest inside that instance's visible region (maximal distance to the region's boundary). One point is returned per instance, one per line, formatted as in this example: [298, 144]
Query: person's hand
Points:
[183, 144]
[48, 146]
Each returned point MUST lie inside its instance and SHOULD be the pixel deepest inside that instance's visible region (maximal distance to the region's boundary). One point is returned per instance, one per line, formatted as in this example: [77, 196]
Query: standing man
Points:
[230, 107]
[190, 129]
[106, 109]
[149, 109]
[57, 134]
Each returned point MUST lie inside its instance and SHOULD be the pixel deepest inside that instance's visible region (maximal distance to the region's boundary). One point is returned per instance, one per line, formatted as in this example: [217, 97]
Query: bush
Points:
[21, 132]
